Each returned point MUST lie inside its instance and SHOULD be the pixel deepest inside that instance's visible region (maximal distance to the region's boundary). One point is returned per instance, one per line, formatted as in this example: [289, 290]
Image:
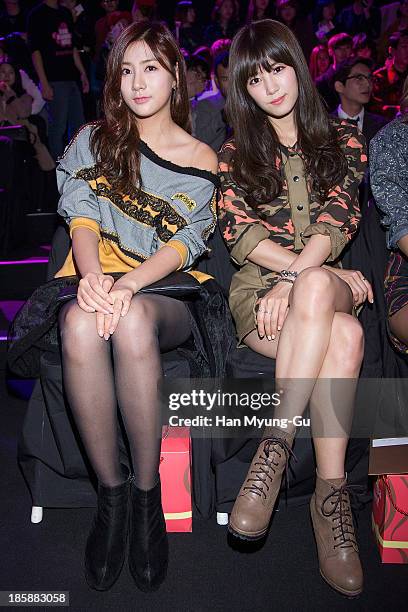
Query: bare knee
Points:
[313, 292]
[347, 342]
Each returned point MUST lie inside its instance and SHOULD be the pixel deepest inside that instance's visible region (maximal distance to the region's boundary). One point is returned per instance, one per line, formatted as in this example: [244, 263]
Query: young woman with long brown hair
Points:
[138, 193]
[289, 181]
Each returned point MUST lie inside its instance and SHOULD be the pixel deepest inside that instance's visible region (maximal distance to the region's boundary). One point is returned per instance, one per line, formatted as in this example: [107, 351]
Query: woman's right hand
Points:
[93, 293]
[273, 309]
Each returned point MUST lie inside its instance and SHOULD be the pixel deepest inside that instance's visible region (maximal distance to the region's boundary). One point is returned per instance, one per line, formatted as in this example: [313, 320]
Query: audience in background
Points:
[323, 20]
[13, 18]
[287, 11]
[58, 65]
[389, 80]
[224, 21]
[65, 63]
[360, 16]
[188, 33]
[363, 46]
[16, 108]
[340, 48]
[103, 25]
[209, 122]
[259, 9]
[198, 75]
[398, 21]
[353, 81]
[319, 61]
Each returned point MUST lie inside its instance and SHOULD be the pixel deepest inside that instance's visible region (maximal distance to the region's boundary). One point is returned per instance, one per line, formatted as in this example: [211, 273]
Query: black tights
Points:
[95, 384]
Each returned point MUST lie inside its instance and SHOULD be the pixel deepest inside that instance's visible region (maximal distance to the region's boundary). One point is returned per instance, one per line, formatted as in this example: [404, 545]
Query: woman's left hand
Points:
[360, 287]
[122, 293]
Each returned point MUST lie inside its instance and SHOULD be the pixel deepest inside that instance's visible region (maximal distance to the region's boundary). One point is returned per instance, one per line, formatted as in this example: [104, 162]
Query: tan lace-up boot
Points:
[253, 508]
[335, 537]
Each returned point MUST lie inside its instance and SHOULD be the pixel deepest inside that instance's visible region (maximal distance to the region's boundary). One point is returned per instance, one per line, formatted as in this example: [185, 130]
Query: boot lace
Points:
[266, 464]
[337, 505]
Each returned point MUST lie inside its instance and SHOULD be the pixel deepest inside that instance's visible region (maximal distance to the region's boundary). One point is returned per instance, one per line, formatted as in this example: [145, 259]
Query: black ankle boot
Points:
[106, 545]
[148, 546]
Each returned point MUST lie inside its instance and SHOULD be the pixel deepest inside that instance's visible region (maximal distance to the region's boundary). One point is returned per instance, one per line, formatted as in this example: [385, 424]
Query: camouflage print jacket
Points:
[296, 214]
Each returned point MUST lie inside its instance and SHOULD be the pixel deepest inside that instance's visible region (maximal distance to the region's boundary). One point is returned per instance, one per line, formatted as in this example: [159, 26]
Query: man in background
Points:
[209, 122]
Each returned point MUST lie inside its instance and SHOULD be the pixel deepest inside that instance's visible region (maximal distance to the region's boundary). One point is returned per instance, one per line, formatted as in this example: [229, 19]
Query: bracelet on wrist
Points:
[288, 274]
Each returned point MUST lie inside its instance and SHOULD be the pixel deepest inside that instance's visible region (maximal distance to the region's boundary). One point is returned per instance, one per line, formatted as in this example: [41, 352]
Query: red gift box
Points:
[175, 475]
[390, 517]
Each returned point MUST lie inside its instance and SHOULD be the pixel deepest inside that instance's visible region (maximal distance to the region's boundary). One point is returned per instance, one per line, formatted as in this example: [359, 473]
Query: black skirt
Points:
[34, 330]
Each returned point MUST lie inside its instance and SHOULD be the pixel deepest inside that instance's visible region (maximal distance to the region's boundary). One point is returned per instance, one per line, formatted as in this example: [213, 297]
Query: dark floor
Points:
[204, 572]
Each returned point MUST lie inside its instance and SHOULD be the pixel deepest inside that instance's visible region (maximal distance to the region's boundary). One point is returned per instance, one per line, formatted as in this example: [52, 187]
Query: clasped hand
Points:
[274, 306]
[110, 300]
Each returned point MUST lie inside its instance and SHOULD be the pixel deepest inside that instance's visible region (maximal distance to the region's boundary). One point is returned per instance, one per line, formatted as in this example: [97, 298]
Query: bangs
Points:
[252, 54]
[160, 56]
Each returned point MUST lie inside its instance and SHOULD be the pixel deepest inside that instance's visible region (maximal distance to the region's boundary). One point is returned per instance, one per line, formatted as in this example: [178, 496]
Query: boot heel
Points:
[252, 511]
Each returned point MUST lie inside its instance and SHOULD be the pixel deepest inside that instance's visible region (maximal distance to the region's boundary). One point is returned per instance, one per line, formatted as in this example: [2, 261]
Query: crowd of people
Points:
[138, 193]
[60, 48]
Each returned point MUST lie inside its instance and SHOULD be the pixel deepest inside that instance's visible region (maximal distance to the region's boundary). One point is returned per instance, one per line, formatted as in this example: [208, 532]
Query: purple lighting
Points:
[19, 262]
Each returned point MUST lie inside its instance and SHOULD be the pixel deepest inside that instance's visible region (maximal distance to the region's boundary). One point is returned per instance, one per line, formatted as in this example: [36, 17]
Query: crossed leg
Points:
[320, 340]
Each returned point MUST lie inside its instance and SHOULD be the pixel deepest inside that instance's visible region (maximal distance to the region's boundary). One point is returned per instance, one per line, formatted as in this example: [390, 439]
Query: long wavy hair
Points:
[17, 86]
[115, 139]
[259, 45]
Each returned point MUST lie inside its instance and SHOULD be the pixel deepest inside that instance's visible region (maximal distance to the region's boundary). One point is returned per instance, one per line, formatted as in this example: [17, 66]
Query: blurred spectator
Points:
[13, 18]
[83, 26]
[204, 52]
[319, 61]
[137, 13]
[14, 46]
[117, 22]
[188, 33]
[15, 103]
[353, 81]
[220, 46]
[323, 20]
[58, 66]
[144, 10]
[361, 16]
[103, 27]
[389, 80]
[260, 9]
[16, 107]
[198, 76]
[10, 64]
[287, 11]
[209, 122]
[388, 16]
[224, 21]
[340, 48]
[399, 23]
[364, 47]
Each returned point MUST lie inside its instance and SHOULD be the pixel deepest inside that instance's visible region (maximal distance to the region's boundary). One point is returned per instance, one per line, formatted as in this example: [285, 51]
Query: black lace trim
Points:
[164, 163]
[137, 208]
